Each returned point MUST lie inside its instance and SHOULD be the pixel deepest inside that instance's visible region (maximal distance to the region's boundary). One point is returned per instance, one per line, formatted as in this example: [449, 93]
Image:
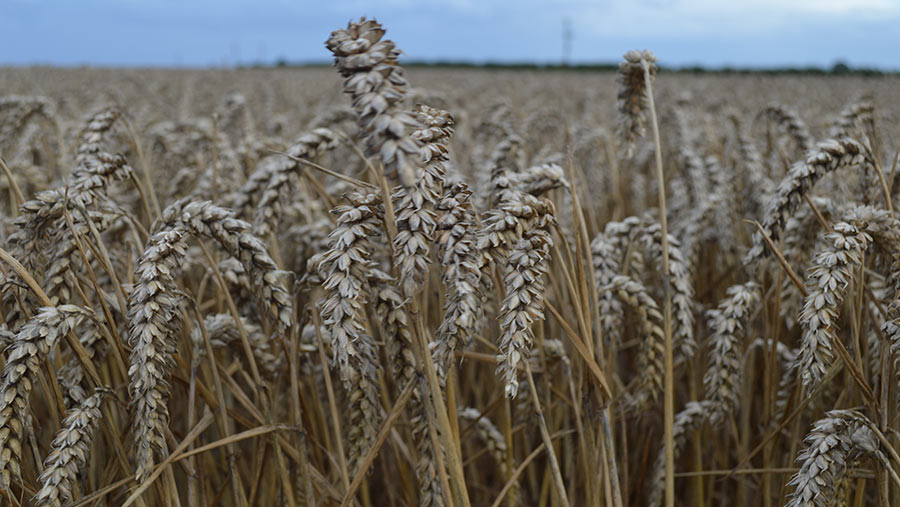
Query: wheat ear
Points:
[32, 343]
[154, 323]
[69, 451]
[344, 267]
[523, 278]
[790, 121]
[826, 157]
[375, 81]
[681, 285]
[415, 218]
[827, 280]
[607, 251]
[223, 332]
[691, 417]
[834, 441]
[309, 146]
[154, 314]
[722, 380]
[632, 103]
[856, 113]
[463, 311]
[635, 295]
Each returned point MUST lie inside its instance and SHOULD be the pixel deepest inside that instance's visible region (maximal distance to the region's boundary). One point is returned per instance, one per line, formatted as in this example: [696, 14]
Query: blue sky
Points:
[680, 32]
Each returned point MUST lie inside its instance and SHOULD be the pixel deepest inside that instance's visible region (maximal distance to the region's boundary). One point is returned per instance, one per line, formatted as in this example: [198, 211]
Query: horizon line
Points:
[838, 67]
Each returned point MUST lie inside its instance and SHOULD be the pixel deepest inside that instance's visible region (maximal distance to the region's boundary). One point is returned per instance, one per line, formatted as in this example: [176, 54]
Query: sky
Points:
[713, 33]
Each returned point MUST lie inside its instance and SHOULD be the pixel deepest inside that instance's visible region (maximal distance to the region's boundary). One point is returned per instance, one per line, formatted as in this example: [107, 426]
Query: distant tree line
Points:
[839, 68]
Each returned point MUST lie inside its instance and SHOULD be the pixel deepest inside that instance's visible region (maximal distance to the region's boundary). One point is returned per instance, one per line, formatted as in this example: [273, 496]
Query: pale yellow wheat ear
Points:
[70, 451]
[523, 277]
[414, 205]
[828, 277]
[389, 305]
[854, 117]
[464, 310]
[154, 310]
[650, 375]
[824, 158]
[789, 121]
[375, 81]
[31, 346]
[279, 174]
[722, 380]
[344, 268]
[41, 219]
[833, 443]
[691, 418]
[632, 103]
[827, 281]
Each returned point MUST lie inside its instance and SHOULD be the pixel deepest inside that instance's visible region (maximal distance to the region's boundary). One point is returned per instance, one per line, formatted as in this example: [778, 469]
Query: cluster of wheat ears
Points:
[440, 296]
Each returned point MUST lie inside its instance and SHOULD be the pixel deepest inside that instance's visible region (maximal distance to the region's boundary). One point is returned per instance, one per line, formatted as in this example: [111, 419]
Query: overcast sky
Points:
[681, 32]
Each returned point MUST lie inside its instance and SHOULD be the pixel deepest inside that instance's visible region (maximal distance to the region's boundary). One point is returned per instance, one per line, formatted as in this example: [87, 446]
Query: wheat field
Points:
[370, 286]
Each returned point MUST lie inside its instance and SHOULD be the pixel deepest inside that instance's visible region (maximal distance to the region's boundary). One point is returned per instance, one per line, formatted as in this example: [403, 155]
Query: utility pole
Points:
[567, 35]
